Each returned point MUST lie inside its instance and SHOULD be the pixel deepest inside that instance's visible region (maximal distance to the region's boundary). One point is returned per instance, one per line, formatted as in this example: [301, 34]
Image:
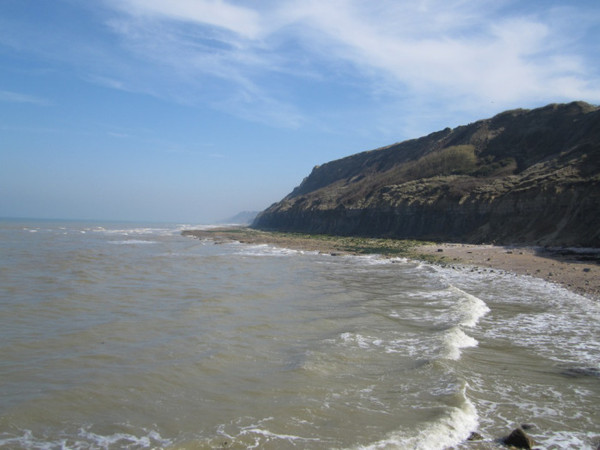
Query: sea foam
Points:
[447, 431]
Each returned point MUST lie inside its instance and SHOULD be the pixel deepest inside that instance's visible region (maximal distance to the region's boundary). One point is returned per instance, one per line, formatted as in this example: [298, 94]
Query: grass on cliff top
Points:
[407, 248]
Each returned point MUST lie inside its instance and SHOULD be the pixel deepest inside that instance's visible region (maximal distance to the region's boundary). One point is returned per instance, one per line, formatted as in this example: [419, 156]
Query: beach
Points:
[575, 269]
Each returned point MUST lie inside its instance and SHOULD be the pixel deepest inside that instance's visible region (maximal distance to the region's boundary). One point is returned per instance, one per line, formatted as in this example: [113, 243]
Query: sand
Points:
[578, 271]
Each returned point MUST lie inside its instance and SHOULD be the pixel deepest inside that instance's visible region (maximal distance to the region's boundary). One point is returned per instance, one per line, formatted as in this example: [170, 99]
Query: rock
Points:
[475, 436]
[579, 372]
[518, 438]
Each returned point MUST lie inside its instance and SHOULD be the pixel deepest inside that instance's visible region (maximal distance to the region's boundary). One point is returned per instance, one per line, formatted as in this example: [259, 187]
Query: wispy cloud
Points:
[454, 47]
[458, 51]
[17, 97]
[238, 19]
[263, 61]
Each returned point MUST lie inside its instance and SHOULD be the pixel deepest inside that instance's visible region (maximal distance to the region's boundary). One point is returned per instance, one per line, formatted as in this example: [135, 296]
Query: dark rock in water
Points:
[518, 438]
[580, 372]
[475, 436]
[527, 426]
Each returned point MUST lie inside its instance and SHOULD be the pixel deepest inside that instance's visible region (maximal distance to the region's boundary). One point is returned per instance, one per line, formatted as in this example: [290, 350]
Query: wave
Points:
[265, 250]
[132, 242]
[447, 431]
[470, 308]
[454, 341]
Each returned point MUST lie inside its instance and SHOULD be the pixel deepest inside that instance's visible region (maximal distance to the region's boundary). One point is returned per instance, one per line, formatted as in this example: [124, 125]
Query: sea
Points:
[125, 335]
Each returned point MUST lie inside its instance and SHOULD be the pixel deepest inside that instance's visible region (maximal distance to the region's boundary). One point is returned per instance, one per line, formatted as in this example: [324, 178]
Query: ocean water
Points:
[133, 336]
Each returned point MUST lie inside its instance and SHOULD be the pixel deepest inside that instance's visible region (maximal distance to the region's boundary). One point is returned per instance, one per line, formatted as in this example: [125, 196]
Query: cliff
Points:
[520, 177]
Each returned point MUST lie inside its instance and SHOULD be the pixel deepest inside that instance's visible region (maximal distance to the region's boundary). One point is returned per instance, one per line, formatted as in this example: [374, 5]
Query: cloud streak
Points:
[17, 97]
[261, 61]
[454, 50]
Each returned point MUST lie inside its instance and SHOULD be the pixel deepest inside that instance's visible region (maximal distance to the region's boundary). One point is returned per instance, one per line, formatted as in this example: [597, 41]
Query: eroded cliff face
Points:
[520, 177]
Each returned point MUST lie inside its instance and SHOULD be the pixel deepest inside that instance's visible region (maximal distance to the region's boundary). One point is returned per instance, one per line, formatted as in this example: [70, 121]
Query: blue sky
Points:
[194, 110]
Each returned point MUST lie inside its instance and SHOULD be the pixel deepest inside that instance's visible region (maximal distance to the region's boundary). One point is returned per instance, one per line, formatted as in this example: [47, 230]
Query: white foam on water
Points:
[448, 431]
[124, 440]
[554, 321]
[84, 439]
[261, 250]
[257, 434]
[270, 436]
[471, 308]
[371, 343]
[187, 227]
[138, 231]
[132, 242]
[454, 310]
[569, 440]
[358, 340]
[455, 340]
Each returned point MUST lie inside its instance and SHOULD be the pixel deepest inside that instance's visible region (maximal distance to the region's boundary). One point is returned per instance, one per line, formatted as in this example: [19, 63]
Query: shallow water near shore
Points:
[133, 336]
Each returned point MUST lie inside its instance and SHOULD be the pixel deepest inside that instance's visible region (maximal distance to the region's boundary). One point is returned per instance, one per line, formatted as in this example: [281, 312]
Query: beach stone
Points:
[475, 436]
[579, 372]
[518, 438]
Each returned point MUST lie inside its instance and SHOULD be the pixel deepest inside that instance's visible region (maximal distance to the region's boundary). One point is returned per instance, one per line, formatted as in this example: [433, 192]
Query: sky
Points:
[194, 110]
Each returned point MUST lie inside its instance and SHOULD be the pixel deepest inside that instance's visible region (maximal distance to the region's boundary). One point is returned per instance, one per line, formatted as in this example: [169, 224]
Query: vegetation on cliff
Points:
[523, 176]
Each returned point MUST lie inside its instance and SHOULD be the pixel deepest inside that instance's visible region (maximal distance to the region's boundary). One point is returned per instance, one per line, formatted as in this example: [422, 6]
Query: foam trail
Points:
[132, 242]
[86, 439]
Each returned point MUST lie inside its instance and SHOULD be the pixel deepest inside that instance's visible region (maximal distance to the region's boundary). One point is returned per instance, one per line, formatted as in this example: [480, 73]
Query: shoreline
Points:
[576, 271]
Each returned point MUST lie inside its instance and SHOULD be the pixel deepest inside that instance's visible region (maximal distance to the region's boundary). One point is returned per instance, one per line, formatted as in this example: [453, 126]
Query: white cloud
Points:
[241, 20]
[246, 58]
[16, 97]
[502, 59]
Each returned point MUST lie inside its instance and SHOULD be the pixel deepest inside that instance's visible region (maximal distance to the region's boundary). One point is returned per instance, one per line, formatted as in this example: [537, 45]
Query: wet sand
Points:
[575, 270]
